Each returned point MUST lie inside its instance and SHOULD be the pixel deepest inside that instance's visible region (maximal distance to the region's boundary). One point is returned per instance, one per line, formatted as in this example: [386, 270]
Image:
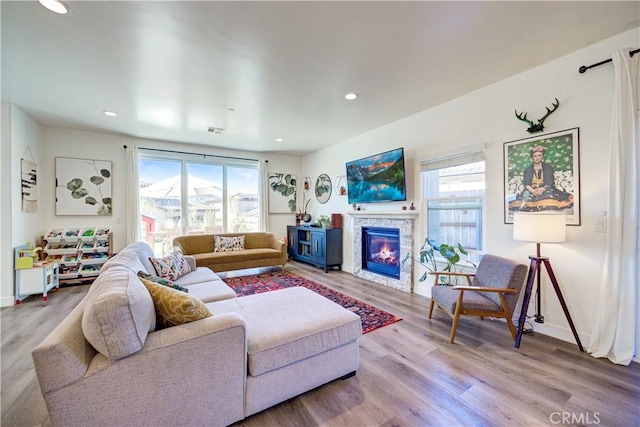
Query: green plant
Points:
[453, 255]
[305, 204]
[324, 221]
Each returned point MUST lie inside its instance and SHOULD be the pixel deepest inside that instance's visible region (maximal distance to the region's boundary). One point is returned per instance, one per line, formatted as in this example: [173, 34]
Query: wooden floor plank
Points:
[410, 375]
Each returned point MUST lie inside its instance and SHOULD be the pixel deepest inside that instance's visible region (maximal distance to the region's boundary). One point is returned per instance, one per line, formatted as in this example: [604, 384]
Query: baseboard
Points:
[7, 301]
[559, 332]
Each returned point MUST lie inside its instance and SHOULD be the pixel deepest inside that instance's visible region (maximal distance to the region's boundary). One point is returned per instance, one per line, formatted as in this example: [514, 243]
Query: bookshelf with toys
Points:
[80, 252]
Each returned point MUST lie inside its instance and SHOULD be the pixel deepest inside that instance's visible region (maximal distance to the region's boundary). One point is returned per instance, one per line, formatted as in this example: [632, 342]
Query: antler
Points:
[523, 116]
[555, 107]
[537, 127]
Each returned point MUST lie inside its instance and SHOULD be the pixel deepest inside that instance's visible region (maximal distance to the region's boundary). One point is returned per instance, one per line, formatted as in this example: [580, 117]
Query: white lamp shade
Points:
[539, 227]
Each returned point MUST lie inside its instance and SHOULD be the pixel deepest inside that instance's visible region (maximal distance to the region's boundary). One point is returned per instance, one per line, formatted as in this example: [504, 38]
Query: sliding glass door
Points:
[179, 197]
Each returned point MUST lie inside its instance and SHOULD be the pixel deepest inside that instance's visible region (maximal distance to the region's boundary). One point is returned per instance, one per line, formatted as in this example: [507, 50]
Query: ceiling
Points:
[267, 70]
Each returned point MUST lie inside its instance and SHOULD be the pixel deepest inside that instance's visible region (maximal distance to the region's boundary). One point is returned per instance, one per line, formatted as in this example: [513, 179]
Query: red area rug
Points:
[372, 318]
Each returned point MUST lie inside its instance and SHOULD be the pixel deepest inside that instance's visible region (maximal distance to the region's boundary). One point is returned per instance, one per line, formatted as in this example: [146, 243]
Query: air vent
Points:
[213, 129]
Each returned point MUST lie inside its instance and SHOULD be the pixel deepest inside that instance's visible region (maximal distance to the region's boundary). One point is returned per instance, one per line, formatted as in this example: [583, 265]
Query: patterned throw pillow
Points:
[174, 307]
[172, 266]
[228, 244]
[161, 281]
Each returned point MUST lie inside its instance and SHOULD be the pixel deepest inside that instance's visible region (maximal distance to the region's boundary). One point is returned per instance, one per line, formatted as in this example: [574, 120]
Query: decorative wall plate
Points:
[323, 188]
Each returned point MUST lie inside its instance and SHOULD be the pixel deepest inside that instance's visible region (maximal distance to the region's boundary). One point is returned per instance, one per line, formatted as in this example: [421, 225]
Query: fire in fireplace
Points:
[381, 250]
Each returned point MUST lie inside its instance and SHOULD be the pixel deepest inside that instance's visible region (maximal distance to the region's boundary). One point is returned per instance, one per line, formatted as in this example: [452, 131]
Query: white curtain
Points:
[614, 331]
[264, 195]
[133, 207]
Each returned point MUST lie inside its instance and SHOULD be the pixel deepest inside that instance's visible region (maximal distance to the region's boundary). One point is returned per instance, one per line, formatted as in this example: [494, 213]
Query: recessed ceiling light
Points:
[110, 113]
[351, 96]
[55, 6]
[279, 139]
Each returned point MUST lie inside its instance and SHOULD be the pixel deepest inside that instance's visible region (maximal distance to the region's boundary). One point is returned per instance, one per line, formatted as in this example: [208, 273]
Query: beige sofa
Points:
[106, 364]
[260, 250]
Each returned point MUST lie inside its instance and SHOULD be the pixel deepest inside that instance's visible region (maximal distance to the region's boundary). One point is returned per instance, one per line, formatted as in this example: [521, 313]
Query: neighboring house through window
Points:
[454, 195]
[181, 196]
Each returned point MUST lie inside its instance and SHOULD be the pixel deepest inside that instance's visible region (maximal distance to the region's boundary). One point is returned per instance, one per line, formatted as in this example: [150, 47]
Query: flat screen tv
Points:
[379, 178]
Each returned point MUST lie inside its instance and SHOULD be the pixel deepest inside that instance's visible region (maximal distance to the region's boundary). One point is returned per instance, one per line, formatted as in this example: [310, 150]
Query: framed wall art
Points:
[323, 188]
[28, 185]
[83, 186]
[282, 192]
[542, 173]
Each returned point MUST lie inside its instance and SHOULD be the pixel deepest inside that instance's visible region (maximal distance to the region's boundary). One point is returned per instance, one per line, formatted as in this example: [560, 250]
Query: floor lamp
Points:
[543, 227]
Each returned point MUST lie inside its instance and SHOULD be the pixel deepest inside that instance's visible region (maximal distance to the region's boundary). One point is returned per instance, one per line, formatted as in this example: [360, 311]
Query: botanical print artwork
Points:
[323, 188]
[282, 194]
[542, 174]
[83, 187]
[29, 186]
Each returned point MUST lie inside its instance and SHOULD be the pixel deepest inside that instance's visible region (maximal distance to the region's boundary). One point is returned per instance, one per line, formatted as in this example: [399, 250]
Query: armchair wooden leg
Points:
[511, 327]
[431, 308]
[505, 308]
[456, 317]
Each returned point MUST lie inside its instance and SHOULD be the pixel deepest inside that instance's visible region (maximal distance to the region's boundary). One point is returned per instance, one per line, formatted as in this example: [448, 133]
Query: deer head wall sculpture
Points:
[537, 127]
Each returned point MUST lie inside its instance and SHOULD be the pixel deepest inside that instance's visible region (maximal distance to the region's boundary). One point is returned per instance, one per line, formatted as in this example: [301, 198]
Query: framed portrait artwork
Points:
[542, 173]
[83, 186]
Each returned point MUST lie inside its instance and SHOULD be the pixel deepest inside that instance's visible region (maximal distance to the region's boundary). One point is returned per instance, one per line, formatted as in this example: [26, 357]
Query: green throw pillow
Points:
[161, 281]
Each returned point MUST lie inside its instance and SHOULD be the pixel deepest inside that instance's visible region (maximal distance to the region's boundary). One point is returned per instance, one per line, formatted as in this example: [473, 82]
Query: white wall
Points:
[62, 142]
[46, 144]
[25, 136]
[487, 117]
[6, 248]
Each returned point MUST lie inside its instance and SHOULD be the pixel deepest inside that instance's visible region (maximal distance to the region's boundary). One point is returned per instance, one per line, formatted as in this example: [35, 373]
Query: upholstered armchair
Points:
[491, 291]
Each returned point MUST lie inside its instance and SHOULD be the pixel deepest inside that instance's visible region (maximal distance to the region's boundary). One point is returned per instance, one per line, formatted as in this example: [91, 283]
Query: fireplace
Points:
[381, 251]
[399, 220]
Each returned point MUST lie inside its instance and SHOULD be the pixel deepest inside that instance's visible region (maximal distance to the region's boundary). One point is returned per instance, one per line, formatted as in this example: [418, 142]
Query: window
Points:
[184, 196]
[454, 191]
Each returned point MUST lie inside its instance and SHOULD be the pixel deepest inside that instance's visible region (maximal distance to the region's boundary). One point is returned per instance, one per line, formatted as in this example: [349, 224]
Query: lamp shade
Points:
[539, 227]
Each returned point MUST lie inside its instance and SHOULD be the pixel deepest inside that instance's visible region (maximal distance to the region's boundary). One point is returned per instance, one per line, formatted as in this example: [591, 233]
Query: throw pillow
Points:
[174, 307]
[171, 266]
[161, 281]
[228, 244]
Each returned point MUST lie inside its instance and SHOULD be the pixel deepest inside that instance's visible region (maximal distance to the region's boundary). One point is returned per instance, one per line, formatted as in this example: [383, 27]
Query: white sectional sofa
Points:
[108, 364]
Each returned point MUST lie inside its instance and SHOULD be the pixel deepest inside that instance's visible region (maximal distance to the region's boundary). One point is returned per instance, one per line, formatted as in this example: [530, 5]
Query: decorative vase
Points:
[306, 217]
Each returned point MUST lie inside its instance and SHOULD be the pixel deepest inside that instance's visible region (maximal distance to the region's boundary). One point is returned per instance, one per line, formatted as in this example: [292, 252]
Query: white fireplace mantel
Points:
[384, 214]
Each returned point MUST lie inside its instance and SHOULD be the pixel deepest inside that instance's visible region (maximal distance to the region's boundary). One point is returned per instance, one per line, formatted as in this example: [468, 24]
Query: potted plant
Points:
[306, 217]
[324, 221]
[452, 254]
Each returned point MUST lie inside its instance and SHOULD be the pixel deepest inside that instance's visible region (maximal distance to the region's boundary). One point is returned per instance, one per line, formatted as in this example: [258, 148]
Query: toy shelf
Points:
[79, 251]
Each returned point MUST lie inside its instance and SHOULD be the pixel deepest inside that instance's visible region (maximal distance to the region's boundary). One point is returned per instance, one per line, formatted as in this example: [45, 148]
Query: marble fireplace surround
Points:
[405, 222]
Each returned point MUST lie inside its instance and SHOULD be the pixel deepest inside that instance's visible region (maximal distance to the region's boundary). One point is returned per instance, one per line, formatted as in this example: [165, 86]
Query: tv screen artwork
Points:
[379, 178]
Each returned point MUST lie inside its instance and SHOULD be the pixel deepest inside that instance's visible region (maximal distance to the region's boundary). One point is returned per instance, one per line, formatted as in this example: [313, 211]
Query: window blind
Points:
[451, 161]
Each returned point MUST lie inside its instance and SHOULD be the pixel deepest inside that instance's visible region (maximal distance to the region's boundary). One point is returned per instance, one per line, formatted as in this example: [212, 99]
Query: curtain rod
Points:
[194, 154]
[584, 68]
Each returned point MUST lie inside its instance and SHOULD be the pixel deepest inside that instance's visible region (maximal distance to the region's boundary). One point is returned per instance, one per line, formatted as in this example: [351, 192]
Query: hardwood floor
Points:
[410, 375]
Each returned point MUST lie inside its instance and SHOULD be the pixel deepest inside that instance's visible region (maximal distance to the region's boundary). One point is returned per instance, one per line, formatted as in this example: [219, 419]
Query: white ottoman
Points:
[296, 341]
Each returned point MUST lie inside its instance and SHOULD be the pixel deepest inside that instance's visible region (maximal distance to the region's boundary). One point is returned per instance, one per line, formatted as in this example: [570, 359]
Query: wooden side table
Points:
[37, 280]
